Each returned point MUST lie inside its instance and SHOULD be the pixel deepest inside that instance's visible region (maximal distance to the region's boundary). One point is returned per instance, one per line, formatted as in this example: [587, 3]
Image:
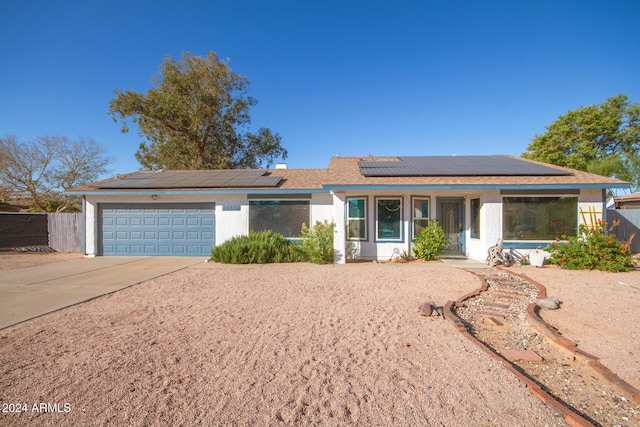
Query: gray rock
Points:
[550, 303]
[426, 308]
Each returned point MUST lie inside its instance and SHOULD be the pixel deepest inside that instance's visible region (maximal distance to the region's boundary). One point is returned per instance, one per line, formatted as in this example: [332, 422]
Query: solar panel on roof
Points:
[195, 179]
[457, 166]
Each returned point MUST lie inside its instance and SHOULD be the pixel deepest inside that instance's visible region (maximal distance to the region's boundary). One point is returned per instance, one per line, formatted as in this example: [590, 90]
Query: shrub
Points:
[592, 249]
[317, 243]
[430, 242]
[259, 247]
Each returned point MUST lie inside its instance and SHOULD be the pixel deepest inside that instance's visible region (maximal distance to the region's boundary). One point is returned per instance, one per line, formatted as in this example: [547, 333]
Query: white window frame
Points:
[363, 218]
[413, 211]
[474, 233]
[400, 220]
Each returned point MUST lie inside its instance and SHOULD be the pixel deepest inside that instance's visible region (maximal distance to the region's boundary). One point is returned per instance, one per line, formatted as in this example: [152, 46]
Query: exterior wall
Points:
[490, 224]
[231, 213]
[339, 217]
[372, 249]
[232, 218]
[322, 208]
[475, 248]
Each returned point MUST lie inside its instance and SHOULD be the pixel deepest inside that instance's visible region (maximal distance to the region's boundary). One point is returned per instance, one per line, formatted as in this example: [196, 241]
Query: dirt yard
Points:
[296, 344]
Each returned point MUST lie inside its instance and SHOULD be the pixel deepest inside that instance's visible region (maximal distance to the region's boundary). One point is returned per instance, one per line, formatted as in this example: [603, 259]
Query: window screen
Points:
[281, 216]
[539, 218]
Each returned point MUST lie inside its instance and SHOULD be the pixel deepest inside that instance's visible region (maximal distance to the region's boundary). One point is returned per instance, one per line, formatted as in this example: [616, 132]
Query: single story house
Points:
[378, 205]
[629, 201]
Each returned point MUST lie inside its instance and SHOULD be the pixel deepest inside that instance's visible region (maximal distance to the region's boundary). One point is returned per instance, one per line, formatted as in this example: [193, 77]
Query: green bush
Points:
[317, 243]
[430, 242]
[259, 247]
[592, 249]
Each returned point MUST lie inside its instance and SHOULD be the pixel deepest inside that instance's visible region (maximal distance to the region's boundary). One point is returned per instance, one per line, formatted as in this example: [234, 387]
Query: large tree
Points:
[196, 117]
[41, 169]
[598, 137]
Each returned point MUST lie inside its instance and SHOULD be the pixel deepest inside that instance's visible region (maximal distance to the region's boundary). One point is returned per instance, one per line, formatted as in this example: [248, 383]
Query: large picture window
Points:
[389, 218]
[281, 216]
[420, 215]
[539, 218]
[357, 218]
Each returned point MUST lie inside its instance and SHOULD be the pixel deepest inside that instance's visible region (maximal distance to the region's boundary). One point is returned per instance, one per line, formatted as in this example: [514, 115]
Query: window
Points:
[357, 218]
[281, 216]
[389, 218]
[475, 218]
[539, 218]
[420, 215]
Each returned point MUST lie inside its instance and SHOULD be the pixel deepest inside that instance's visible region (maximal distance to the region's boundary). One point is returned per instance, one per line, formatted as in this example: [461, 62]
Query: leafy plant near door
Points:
[430, 242]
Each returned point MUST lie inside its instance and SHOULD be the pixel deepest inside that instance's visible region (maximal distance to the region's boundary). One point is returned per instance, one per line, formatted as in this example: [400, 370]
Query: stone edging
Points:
[571, 418]
[557, 338]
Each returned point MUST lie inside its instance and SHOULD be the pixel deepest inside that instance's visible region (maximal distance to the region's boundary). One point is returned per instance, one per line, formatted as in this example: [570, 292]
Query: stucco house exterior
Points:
[378, 205]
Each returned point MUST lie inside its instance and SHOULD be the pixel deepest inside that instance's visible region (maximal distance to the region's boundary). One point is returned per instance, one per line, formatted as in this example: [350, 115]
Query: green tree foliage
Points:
[602, 137]
[195, 117]
[41, 169]
[623, 167]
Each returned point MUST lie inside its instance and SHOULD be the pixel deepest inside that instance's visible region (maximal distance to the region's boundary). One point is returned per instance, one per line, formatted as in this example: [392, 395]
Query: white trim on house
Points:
[329, 189]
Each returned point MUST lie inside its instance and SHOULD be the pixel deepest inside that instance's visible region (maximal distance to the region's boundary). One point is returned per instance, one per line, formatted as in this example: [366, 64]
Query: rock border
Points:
[552, 334]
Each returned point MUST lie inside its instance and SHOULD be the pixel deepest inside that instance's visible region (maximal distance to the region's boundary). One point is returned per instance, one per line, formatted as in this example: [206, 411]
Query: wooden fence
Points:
[629, 226]
[65, 231]
[61, 232]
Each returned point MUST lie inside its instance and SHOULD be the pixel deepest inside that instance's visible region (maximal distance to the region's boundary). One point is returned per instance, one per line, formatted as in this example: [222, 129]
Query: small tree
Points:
[46, 166]
[195, 117]
[586, 137]
[430, 242]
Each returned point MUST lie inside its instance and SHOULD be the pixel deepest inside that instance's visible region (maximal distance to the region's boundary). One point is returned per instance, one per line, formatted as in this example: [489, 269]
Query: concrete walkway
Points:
[31, 292]
[464, 263]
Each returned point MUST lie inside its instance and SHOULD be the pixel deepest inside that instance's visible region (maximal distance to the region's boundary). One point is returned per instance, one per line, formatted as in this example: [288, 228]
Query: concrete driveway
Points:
[31, 292]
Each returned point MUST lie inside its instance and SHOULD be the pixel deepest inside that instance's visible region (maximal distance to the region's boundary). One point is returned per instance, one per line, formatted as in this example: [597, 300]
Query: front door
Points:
[450, 214]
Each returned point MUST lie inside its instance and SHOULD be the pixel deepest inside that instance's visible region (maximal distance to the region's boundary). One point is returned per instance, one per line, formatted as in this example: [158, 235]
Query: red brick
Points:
[565, 342]
[521, 355]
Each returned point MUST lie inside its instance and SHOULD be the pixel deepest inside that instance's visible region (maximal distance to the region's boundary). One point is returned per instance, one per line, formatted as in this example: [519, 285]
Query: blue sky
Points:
[346, 77]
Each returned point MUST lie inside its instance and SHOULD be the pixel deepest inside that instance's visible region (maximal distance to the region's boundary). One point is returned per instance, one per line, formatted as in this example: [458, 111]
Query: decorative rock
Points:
[550, 303]
[426, 308]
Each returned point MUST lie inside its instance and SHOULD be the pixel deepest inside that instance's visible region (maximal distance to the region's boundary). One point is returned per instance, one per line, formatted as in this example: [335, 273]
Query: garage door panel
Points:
[157, 229]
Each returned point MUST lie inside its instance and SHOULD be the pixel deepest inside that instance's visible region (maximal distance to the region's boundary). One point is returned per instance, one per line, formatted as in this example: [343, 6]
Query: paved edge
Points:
[92, 298]
[572, 418]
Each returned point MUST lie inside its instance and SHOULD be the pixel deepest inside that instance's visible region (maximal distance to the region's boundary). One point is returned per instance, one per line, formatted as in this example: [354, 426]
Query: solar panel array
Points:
[457, 166]
[238, 178]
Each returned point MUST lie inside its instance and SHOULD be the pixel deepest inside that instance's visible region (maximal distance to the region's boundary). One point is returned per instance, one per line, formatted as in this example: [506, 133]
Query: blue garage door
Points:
[170, 229]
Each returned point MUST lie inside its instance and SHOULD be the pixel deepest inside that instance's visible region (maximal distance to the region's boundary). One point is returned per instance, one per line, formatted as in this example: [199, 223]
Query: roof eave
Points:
[158, 192]
[361, 187]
